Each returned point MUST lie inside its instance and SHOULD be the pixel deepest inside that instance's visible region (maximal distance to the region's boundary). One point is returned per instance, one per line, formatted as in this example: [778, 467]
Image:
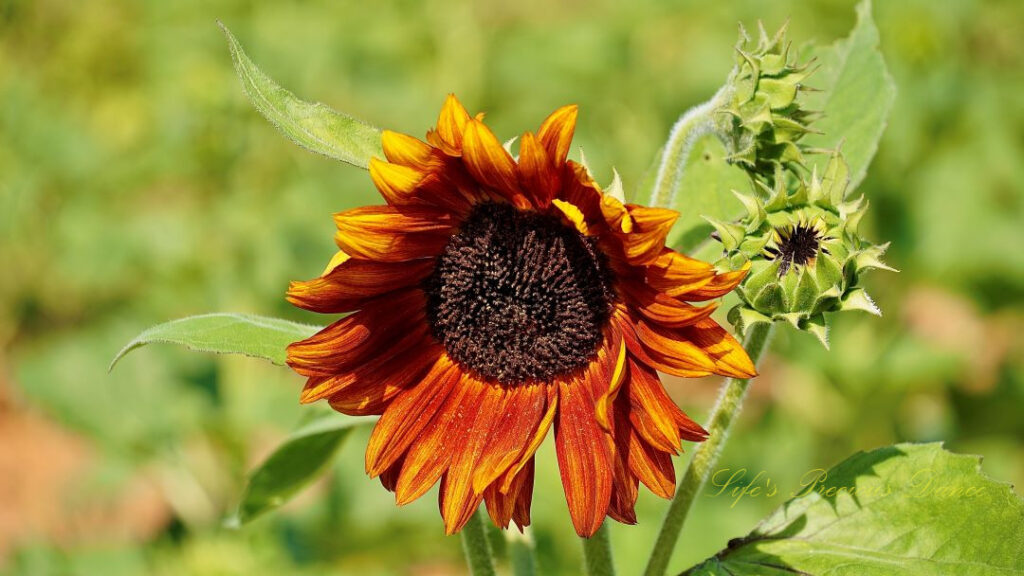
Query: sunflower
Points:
[492, 298]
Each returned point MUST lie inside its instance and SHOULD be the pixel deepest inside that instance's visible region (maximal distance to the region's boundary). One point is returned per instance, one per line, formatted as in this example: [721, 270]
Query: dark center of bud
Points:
[797, 245]
[519, 296]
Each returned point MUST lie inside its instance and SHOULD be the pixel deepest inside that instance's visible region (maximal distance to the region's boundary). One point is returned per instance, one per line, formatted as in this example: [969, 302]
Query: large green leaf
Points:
[311, 125]
[294, 464]
[225, 333]
[909, 509]
[856, 94]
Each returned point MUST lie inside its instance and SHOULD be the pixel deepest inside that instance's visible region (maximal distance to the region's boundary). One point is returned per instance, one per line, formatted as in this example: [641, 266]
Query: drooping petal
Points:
[391, 235]
[551, 410]
[408, 415]
[350, 284]
[514, 504]
[653, 413]
[676, 274]
[555, 133]
[652, 467]
[624, 482]
[728, 355]
[456, 510]
[583, 458]
[672, 352]
[650, 229]
[663, 309]
[719, 286]
[381, 323]
[447, 434]
[514, 426]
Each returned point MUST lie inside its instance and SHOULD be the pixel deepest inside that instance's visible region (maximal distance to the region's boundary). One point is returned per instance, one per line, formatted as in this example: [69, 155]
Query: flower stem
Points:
[597, 553]
[521, 552]
[476, 547]
[706, 456]
[690, 127]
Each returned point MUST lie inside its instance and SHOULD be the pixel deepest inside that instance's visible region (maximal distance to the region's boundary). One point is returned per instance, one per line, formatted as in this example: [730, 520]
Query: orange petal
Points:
[408, 151]
[728, 355]
[662, 308]
[671, 351]
[455, 509]
[675, 274]
[650, 230]
[514, 426]
[350, 284]
[607, 373]
[583, 458]
[488, 161]
[432, 452]
[396, 182]
[389, 477]
[479, 423]
[538, 177]
[653, 413]
[721, 285]
[625, 485]
[515, 504]
[538, 436]
[407, 416]
[355, 338]
[451, 124]
[370, 388]
[556, 132]
[391, 235]
[652, 467]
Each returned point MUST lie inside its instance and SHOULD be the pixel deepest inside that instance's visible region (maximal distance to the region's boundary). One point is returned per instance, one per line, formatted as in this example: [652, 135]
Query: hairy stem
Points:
[476, 547]
[597, 553]
[706, 456]
[690, 127]
[521, 553]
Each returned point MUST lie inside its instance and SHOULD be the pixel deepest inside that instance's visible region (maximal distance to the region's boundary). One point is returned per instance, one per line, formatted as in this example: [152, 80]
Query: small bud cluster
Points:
[763, 121]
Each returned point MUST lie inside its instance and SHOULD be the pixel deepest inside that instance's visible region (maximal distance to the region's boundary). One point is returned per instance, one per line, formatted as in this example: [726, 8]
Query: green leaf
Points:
[303, 456]
[224, 333]
[909, 509]
[313, 126]
[856, 94]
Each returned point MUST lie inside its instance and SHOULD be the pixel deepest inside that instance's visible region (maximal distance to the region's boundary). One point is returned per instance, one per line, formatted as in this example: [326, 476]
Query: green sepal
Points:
[818, 326]
[755, 211]
[761, 274]
[806, 292]
[743, 318]
[729, 234]
[771, 298]
[858, 299]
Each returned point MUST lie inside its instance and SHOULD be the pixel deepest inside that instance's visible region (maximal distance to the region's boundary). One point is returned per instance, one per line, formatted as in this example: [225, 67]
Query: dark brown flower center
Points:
[798, 245]
[519, 296]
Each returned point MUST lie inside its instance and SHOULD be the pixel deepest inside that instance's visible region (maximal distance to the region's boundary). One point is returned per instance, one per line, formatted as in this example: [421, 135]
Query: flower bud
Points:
[805, 253]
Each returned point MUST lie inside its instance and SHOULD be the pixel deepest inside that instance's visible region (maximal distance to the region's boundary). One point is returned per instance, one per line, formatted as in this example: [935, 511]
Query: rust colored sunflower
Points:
[493, 297]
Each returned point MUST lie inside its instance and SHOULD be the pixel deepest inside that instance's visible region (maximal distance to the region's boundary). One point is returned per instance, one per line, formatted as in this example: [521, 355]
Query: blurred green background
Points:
[138, 185]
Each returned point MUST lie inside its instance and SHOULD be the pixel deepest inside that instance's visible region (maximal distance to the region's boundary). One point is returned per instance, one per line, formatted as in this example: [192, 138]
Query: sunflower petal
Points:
[538, 177]
[350, 284]
[652, 467]
[353, 339]
[408, 415]
[673, 352]
[395, 182]
[451, 124]
[662, 308]
[650, 230]
[583, 458]
[728, 355]
[556, 132]
[409, 151]
[370, 388]
[488, 161]
[456, 510]
[721, 285]
[390, 235]
[515, 424]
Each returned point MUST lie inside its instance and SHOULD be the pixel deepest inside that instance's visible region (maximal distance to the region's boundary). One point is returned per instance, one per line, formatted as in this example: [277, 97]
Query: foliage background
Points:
[138, 185]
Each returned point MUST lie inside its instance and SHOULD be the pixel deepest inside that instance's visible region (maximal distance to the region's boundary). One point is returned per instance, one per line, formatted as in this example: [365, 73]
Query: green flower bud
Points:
[805, 254]
[763, 121]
